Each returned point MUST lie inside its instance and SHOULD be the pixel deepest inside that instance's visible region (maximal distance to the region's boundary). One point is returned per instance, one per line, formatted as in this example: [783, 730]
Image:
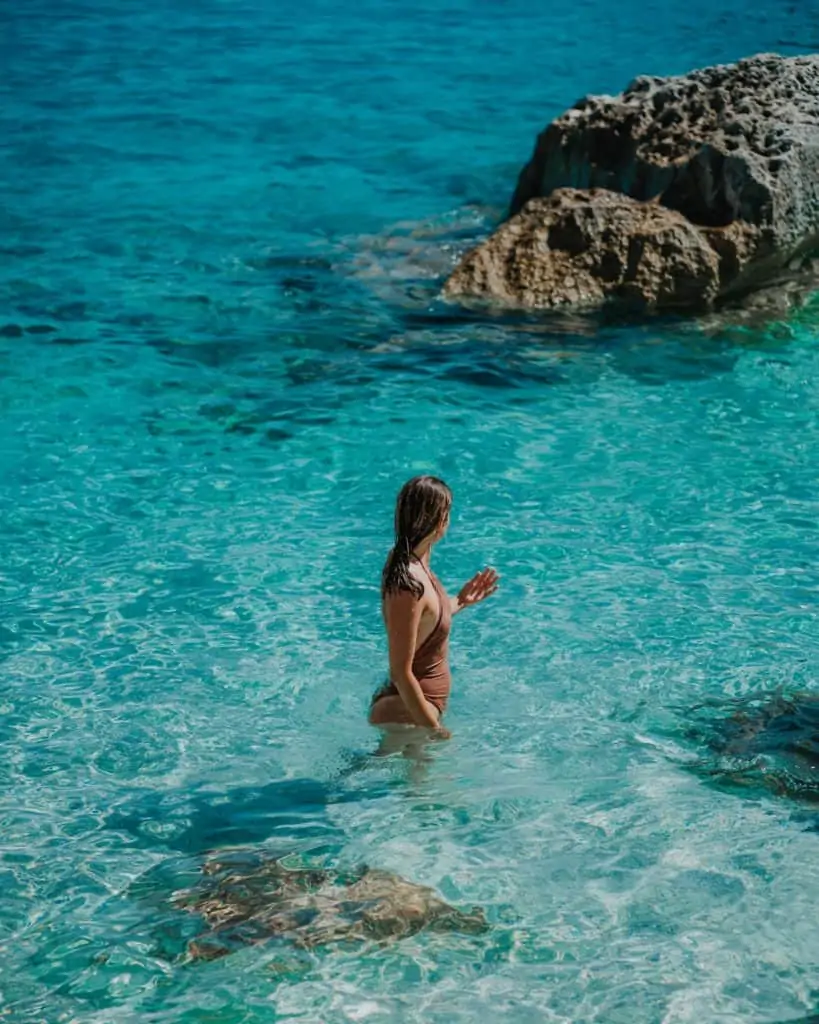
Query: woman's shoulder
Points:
[405, 594]
[418, 572]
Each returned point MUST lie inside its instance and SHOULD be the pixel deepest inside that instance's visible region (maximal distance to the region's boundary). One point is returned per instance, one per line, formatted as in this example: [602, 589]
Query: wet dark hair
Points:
[422, 507]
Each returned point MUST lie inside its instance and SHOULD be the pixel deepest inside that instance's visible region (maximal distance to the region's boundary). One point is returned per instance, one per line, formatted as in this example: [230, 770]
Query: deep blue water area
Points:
[223, 227]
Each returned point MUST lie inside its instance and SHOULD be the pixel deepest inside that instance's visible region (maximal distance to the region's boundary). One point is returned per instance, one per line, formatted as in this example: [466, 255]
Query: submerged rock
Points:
[246, 899]
[728, 159]
[769, 744]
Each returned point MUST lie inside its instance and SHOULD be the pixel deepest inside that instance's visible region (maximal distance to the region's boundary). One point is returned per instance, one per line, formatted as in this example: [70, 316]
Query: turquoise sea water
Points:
[222, 227]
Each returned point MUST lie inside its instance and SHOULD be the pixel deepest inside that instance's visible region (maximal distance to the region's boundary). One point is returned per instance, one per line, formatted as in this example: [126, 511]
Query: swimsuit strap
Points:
[438, 593]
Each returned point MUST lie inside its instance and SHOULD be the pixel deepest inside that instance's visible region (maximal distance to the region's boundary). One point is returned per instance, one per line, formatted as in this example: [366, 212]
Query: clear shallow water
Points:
[219, 358]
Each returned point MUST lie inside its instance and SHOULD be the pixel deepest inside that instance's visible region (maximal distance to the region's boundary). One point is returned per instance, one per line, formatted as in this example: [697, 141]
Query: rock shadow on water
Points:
[763, 745]
[655, 351]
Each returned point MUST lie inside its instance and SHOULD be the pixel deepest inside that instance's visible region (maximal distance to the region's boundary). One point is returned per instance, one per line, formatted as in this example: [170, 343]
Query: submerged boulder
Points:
[246, 898]
[724, 159]
[769, 743]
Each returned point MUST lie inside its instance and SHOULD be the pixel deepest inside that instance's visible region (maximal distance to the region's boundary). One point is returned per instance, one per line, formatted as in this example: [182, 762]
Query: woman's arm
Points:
[403, 615]
[482, 585]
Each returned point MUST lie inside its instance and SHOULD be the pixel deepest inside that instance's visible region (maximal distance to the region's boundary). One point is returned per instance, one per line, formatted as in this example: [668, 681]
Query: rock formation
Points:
[247, 899]
[678, 193]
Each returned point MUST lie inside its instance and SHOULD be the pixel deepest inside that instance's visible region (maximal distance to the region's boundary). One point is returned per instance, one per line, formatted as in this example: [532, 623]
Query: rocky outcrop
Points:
[717, 168]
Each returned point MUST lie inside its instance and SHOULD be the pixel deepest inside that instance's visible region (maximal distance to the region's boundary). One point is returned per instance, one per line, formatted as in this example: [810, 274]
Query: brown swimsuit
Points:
[430, 664]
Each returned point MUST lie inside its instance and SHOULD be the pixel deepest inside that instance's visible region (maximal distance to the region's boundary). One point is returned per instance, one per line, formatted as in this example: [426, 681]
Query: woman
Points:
[418, 613]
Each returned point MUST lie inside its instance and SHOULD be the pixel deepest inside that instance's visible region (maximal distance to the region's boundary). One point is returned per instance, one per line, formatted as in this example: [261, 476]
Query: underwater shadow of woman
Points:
[294, 810]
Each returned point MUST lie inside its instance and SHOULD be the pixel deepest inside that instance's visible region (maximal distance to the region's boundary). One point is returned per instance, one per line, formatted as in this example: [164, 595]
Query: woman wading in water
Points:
[418, 614]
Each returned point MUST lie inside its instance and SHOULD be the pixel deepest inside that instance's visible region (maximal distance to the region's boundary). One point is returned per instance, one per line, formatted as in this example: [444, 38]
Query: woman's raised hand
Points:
[482, 585]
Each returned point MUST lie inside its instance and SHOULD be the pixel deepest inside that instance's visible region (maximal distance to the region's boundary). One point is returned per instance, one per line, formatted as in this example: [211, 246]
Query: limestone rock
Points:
[579, 248]
[734, 150]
